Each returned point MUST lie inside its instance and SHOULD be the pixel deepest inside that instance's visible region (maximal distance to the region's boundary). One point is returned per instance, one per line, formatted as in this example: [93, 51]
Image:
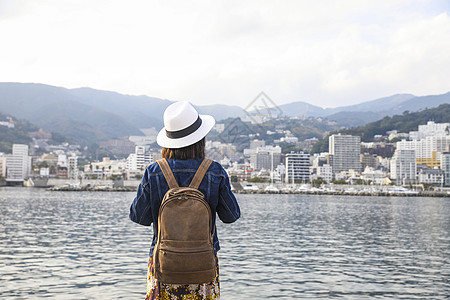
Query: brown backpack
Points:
[184, 251]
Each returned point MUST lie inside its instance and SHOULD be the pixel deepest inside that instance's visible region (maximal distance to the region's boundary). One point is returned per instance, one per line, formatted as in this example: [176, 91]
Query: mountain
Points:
[87, 115]
[56, 109]
[405, 123]
[14, 135]
[420, 103]
[221, 111]
[141, 111]
[301, 109]
[370, 111]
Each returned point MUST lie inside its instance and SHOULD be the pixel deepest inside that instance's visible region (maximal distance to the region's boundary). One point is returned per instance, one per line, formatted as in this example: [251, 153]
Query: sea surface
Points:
[81, 245]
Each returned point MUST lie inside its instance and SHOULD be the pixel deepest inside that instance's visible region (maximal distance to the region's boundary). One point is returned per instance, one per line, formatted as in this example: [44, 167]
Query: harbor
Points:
[249, 188]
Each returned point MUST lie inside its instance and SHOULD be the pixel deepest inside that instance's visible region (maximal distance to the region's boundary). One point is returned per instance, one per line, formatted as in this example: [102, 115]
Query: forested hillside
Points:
[403, 123]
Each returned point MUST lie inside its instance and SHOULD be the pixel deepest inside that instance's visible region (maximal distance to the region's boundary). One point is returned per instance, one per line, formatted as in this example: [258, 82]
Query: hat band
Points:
[186, 131]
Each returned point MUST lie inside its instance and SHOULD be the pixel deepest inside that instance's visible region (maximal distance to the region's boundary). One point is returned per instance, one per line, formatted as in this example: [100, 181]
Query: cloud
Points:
[328, 53]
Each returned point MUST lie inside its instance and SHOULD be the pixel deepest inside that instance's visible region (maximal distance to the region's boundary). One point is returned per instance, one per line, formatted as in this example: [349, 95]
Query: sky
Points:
[326, 52]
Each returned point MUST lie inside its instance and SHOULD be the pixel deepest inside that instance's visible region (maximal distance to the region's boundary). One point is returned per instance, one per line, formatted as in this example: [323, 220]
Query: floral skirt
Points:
[161, 291]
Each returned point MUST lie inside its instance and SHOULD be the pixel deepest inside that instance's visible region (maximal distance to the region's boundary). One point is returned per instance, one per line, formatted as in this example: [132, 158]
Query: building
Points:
[430, 129]
[2, 165]
[368, 160]
[266, 158]
[106, 168]
[428, 150]
[445, 166]
[242, 172]
[139, 160]
[345, 150]
[325, 172]
[431, 176]
[403, 166]
[379, 149]
[375, 176]
[72, 167]
[18, 164]
[297, 167]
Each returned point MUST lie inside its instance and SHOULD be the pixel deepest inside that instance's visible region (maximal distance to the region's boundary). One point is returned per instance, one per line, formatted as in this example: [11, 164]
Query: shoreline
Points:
[346, 193]
[442, 194]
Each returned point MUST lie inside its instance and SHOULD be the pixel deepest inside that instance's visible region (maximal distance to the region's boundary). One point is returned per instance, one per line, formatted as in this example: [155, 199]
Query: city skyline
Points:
[328, 54]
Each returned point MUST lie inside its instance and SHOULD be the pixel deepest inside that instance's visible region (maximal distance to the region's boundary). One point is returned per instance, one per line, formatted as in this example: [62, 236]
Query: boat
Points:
[251, 187]
[271, 189]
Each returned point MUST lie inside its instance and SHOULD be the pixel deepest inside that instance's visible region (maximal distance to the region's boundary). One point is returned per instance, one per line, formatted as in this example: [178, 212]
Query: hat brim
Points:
[208, 123]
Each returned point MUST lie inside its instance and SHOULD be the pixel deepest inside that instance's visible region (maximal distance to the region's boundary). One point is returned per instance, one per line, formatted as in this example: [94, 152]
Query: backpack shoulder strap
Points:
[201, 171]
[167, 172]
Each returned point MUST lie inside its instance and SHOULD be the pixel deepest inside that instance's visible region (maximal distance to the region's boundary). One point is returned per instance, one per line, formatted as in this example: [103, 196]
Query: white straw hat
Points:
[183, 126]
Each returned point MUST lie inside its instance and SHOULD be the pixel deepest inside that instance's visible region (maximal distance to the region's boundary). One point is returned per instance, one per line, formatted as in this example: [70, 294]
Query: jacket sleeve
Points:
[228, 208]
[140, 210]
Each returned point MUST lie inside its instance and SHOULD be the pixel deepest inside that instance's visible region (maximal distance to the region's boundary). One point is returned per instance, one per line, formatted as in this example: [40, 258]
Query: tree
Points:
[257, 179]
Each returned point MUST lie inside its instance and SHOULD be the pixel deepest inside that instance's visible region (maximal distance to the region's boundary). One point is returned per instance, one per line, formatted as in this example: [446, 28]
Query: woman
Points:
[183, 142]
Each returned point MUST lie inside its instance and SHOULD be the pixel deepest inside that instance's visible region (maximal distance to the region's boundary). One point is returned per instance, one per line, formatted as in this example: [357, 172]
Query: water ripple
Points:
[65, 245]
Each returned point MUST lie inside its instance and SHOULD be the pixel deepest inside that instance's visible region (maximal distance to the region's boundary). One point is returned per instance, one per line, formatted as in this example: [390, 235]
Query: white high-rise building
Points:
[297, 167]
[424, 148]
[345, 150]
[72, 170]
[139, 160]
[2, 165]
[403, 166]
[430, 129]
[18, 164]
[445, 166]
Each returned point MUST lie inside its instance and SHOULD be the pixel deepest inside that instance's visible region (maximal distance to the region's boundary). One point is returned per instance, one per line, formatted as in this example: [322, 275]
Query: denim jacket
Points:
[215, 186]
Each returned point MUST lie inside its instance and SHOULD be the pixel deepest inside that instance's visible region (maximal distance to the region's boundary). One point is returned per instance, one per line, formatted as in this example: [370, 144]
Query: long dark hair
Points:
[196, 150]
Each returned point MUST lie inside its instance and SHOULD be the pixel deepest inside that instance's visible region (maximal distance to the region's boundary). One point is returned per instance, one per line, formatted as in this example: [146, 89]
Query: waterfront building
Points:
[106, 168]
[431, 176]
[349, 175]
[72, 167]
[445, 166]
[281, 169]
[325, 172]
[376, 176]
[298, 167]
[403, 166]
[2, 165]
[242, 172]
[345, 151]
[18, 164]
[61, 169]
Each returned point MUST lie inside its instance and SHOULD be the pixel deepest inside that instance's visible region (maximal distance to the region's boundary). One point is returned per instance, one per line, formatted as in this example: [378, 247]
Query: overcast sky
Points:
[327, 52]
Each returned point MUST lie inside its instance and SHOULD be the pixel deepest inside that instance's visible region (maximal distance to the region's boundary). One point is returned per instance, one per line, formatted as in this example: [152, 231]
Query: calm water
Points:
[68, 245]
